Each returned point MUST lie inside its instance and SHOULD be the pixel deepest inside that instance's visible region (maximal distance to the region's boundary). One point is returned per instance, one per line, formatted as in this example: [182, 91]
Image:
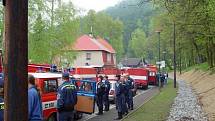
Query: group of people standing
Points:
[67, 97]
[102, 95]
[66, 100]
[124, 88]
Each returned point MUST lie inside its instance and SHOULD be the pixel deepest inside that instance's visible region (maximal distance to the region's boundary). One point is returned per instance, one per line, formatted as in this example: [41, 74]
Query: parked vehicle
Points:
[32, 68]
[48, 84]
[152, 74]
[140, 76]
[112, 91]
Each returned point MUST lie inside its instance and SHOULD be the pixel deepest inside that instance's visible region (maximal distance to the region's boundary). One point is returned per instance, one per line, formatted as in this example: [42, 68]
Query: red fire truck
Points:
[84, 73]
[152, 74]
[140, 76]
[32, 68]
[111, 73]
[48, 84]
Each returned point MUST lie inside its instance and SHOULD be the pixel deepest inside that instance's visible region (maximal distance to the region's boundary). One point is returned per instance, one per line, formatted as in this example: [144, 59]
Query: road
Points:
[140, 98]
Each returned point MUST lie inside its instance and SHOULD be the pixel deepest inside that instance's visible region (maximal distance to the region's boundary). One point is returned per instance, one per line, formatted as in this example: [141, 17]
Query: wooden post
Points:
[16, 60]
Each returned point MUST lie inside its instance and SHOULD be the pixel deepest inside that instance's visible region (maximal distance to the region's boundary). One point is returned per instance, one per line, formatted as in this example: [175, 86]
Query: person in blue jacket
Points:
[119, 96]
[130, 87]
[106, 95]
[1, 98]
[99, 95]
[125, 91]
[34, 101]
[66, 99]
[1, 103]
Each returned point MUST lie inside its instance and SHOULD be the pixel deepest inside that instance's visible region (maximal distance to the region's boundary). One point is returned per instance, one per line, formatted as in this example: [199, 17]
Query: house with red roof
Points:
[94, 52]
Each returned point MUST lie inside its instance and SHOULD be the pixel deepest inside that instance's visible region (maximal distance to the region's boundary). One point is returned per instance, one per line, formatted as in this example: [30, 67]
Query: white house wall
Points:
[96, 59]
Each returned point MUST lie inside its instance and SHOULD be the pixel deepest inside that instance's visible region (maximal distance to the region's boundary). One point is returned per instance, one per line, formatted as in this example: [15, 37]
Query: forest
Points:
[129, 26]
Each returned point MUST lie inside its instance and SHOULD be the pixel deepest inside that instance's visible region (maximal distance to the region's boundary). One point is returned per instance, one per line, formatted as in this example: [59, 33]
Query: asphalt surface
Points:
[141, 97]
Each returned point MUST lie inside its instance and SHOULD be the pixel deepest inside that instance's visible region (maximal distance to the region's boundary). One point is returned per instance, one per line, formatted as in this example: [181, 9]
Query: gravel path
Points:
[185, 106]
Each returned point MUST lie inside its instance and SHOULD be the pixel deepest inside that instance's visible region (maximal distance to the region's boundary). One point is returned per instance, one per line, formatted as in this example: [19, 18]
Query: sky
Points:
[96, 5]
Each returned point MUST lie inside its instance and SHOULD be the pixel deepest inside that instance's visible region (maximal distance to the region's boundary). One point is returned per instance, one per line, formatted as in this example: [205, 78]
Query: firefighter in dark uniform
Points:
[120, 97]
[130, 87]
[125, 91]
[1, 99]
[1, 103]
[99, 95]
[66, 99]
[106, 95]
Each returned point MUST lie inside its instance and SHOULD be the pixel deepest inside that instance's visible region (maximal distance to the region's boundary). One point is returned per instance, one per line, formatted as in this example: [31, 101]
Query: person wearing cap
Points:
[130, 87]
[66, 99]
[106, 95]
[120, 97]
[34, 101]
[99, 94]
[125, 91]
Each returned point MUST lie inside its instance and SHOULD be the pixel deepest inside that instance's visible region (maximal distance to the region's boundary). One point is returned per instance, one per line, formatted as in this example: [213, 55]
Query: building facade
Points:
[95, 52]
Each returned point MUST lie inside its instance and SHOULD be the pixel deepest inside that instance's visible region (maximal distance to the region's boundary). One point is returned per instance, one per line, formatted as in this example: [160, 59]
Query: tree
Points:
[50, 31]
[137, 43]
[105, 27]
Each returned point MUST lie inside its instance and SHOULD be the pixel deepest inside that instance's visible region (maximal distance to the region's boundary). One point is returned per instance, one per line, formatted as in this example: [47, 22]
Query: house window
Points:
[108, 57]
[50, 86]
[88, 56]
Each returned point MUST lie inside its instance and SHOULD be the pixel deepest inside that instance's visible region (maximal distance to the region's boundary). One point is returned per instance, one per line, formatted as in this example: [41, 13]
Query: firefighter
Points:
[106, 95]
[125, 92]
[1, 99]
[130, 87]
[66, 99]
[119, 96]
[99, 95]
[34, 101]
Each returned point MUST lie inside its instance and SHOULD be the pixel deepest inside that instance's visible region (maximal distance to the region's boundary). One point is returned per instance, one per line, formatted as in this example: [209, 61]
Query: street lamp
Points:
[159, 64]
[174, 56]
[158, 31]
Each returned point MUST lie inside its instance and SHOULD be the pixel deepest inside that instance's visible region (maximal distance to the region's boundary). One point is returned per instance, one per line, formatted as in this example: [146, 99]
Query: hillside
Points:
[203, 83]
[129, 12]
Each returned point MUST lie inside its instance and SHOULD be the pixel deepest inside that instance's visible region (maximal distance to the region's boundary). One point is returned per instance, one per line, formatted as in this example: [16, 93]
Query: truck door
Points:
[86, 96]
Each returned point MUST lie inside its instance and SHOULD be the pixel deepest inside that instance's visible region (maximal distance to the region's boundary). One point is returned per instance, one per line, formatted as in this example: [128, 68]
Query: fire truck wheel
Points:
[78, 115]
[53, 117]
[145, 87]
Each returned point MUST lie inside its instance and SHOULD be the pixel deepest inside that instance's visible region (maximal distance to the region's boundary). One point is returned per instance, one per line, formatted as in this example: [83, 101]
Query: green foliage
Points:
[106, 27]
[157, 109]
[138, 43]
[195, 23]
[131, 13]
[1, 25]
[50, 31]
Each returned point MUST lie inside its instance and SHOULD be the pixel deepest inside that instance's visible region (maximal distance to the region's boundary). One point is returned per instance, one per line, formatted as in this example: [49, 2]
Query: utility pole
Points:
[16, 60]
[158, 31]
[174, 55]
[180, 58]
[159, 53]
[159, 63]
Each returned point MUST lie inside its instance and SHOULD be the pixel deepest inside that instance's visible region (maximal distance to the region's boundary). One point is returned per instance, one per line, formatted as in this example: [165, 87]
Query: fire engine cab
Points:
[140, 76]
[48, 84]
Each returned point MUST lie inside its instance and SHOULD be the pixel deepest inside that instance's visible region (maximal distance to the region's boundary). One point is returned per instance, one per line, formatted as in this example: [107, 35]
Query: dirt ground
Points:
[203, 83]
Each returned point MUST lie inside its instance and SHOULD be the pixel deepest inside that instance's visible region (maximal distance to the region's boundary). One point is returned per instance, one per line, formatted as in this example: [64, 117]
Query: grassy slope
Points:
[157, 109]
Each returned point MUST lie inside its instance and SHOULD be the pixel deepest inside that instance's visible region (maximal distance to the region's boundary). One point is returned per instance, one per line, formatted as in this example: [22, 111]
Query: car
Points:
[112, 91]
